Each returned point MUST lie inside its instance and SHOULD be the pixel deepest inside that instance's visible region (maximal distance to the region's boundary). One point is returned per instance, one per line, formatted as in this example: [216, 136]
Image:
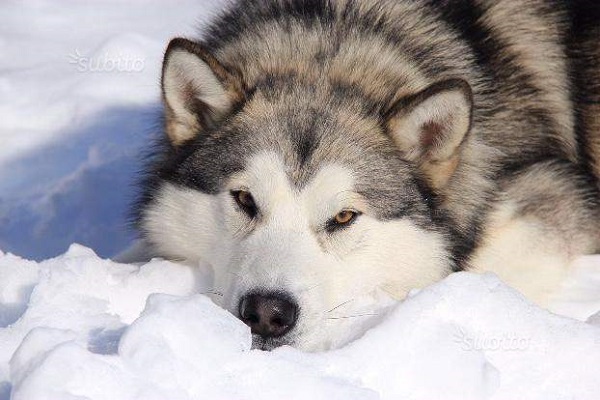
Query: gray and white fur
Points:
[321, 151]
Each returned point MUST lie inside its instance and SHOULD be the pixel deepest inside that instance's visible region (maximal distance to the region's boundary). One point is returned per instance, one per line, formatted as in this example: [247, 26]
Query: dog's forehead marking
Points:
[328, 189]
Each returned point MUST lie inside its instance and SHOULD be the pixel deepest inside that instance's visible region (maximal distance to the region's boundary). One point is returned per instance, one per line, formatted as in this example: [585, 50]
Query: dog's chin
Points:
[304, 344]
[260, 343]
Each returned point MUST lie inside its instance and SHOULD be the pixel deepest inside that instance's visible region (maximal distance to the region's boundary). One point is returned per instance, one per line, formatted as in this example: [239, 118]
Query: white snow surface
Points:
[79, 104]
[81, 327]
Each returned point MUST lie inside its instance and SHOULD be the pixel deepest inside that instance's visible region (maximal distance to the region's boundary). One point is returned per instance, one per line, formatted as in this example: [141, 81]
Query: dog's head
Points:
[306, 198]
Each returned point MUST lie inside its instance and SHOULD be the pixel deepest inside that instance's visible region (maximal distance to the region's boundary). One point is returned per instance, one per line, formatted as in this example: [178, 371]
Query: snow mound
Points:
[80, 327]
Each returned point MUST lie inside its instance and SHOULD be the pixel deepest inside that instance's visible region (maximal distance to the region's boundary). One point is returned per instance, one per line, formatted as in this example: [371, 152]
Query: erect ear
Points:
[197, 90]
[430, 126]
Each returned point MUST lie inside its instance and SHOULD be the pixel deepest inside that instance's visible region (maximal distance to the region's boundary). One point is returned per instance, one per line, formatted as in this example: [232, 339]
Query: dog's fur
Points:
[466, 133]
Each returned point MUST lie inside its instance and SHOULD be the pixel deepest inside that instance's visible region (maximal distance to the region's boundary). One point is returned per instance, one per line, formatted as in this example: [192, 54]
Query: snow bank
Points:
[79, 327]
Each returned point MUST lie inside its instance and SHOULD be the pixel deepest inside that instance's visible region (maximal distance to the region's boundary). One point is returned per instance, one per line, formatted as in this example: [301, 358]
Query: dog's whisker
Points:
[341, 304]
[212, 291]
[355, 316]
[312, 287]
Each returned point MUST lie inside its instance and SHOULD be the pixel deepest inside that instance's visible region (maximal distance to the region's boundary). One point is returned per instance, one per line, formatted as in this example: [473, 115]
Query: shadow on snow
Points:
[78, 189]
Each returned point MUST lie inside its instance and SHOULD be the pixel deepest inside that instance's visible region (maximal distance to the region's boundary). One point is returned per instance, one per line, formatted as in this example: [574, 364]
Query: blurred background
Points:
[79, 107]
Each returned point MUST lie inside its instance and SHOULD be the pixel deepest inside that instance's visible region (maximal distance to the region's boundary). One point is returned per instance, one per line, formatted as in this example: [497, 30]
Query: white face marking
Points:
[287, 248]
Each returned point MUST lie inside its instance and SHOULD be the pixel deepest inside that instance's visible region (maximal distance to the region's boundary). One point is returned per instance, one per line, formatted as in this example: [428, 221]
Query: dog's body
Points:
[321, 150]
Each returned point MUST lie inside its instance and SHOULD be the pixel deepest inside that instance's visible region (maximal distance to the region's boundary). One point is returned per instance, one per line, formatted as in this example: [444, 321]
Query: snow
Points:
[81, 327]
[79, 104]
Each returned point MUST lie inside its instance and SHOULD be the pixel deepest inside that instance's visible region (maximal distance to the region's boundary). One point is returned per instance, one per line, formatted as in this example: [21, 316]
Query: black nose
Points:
[269, 314]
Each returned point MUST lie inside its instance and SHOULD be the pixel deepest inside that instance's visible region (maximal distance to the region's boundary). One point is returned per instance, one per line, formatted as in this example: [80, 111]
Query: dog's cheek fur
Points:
[392, 257]
[183, 224]
[403, 255]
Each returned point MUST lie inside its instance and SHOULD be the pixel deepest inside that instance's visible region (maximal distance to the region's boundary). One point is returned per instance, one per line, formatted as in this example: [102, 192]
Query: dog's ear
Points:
[430, 126]
[197, 90]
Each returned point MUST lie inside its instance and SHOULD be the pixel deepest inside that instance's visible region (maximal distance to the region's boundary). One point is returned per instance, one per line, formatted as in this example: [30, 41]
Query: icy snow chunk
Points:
[69, 372]
[180, 334]
[594, 319]
[78, 251]
[36, 345]
[81, 293]
[17, 279]
[580, 294]
[105, 341]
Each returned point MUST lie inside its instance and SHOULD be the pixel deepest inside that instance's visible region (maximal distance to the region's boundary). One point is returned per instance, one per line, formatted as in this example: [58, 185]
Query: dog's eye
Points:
[342, 219]
[345, 217]
[245, 201]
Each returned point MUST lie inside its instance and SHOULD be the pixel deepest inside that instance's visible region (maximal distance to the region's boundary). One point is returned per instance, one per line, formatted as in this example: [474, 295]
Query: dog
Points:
[322, 155]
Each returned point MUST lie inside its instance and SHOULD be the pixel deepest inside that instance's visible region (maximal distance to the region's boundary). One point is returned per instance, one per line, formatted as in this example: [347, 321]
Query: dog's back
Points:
[583, 48]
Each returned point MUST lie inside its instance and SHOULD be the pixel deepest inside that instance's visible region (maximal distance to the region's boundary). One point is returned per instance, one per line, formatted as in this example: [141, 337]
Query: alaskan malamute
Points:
[318, 152]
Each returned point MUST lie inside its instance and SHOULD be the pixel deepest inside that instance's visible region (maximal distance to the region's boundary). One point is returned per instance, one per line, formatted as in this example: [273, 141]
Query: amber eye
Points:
[345, 217]
[342, 219]
[245, 201]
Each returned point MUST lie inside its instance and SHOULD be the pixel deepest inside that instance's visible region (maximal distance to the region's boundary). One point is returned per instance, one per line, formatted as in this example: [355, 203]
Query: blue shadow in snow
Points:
[78, 189]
